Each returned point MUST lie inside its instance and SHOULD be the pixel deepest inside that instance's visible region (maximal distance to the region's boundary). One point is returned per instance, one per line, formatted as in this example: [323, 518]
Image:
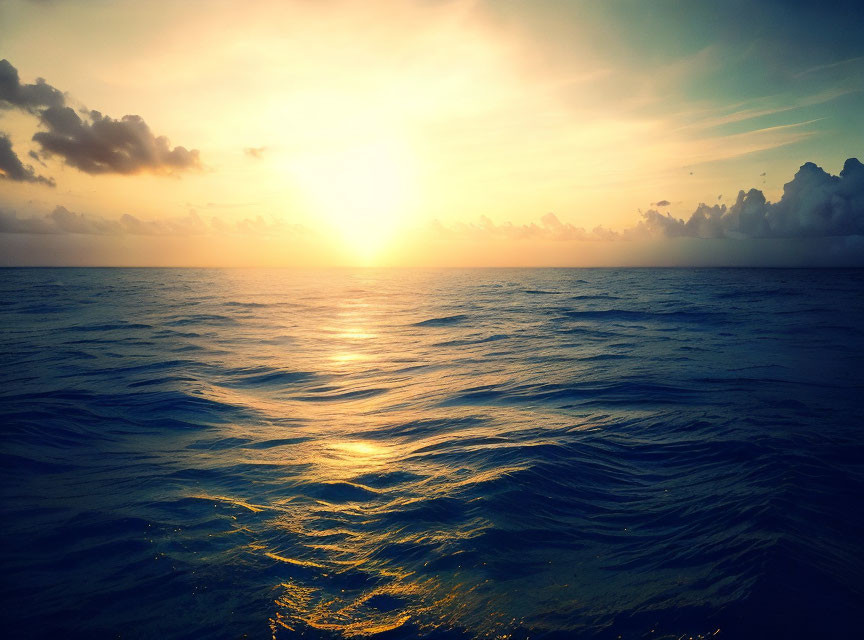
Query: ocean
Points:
[432, 454]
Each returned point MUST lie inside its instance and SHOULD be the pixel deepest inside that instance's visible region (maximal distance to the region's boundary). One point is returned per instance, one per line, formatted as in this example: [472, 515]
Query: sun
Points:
[364, 192]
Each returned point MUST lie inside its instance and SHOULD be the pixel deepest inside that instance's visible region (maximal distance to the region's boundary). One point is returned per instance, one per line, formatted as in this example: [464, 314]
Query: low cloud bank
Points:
[548, 228]
[814, 204]
[63, 221]
[85, 139]
[818, 221]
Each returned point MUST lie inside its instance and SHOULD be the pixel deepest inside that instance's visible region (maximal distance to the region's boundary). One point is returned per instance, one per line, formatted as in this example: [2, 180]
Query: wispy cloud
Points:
[832, 65]
[763, 107]
[715, 148]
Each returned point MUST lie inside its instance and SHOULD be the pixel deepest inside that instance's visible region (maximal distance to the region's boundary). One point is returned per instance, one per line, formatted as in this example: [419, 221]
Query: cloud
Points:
[35, 156]
[254, 152]
[100, 144]
[832, 65]
[819, 220]
[661, 203]
[94, 144]
[29, 97]
[11, 167]
[63, 221]
[549, 228]
[814, 204]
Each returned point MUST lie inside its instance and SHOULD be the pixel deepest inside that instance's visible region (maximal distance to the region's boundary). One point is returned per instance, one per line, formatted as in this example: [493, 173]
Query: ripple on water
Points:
[515, 453]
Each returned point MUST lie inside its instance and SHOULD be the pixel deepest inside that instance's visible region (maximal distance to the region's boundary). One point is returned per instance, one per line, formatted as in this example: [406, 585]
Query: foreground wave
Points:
[432, 454]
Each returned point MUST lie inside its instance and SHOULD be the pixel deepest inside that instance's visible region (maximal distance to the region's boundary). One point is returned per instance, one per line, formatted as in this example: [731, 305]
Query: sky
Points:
[431, 133]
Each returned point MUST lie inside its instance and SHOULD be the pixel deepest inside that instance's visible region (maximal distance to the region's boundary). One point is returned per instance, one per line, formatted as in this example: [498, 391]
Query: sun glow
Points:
[364, 192]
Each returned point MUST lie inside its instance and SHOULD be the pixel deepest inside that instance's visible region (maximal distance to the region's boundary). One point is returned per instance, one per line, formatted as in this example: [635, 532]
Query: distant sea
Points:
[432, 454]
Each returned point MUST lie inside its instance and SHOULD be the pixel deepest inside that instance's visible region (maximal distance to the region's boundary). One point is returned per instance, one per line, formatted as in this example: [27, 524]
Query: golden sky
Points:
[412, 132]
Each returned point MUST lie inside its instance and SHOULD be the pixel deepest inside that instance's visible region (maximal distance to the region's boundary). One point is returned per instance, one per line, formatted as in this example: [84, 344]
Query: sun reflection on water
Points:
[357, 454]
[348, 357]
[364, 522]
[374, 595]
[355, 334]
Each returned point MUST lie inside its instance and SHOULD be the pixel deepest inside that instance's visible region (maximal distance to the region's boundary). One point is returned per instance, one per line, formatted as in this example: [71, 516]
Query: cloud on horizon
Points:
[814, 204]
[548, 228]
[94, 144]
[819, 220]
[62, 221]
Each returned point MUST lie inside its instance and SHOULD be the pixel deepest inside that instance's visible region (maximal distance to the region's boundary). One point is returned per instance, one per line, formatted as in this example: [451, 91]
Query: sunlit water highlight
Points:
[432, 454]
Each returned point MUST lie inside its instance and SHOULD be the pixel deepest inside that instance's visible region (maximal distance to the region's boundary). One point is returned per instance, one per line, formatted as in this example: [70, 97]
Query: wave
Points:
[434, 455]
[266, 376]
[336, 394]
[626, 315]
[599, 296]
[472, 341]
[443, 321]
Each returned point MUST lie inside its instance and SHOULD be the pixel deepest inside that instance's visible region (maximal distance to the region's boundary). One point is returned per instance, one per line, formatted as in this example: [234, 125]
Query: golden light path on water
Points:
[331, 514]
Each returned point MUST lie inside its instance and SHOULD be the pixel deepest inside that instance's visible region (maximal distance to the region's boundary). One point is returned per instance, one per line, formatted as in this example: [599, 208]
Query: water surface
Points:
[600, 453]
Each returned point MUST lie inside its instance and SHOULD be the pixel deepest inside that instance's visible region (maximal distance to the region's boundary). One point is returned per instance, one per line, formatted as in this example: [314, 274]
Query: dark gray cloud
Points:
[99, 144]
[661, 203]
[94, 143]
[11, 167]
[814, 204]
[29, 97]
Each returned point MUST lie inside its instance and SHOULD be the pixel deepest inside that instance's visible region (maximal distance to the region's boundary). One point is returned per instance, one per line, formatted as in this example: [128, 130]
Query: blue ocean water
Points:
[595, 453]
